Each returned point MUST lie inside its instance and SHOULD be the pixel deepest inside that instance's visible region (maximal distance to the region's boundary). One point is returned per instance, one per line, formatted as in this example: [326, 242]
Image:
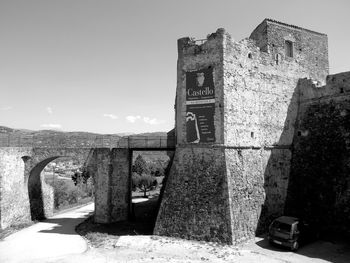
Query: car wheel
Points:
[295, 246]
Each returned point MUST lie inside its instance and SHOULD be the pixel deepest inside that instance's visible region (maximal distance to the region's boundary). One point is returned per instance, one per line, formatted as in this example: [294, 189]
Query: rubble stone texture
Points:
[230, 190]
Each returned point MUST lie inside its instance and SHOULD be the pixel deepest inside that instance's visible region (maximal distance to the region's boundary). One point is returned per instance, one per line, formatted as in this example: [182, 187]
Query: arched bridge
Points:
[22, 159]
[88, 141]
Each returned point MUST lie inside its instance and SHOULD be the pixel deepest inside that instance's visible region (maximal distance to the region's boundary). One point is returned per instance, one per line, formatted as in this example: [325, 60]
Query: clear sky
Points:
[110, 66]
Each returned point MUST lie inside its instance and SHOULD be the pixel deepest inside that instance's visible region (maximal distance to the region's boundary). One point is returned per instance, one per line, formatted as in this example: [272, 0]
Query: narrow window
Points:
[289, 48]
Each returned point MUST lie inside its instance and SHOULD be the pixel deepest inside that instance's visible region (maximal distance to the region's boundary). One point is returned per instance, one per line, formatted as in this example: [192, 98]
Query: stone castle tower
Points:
[236, 112]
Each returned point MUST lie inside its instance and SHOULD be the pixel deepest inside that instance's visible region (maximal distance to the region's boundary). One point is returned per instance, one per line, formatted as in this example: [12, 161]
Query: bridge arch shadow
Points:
[37, 200]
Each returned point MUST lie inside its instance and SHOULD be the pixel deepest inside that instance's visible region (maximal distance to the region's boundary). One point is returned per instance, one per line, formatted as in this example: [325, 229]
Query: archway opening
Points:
[58, 183]
[149, 170]
[39, 196]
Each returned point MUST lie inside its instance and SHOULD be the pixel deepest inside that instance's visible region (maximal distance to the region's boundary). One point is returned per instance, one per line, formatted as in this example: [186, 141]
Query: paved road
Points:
[54, 237]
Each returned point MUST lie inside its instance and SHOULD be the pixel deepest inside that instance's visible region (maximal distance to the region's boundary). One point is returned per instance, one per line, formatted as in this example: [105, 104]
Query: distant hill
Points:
[155, 134]
[24, 137]
[4, 129]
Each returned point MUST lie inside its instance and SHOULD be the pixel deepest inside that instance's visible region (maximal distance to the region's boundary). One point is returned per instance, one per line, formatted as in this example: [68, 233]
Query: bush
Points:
[66, 193]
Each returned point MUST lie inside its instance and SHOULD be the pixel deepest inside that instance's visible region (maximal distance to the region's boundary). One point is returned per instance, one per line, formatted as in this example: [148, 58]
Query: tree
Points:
[135, 181]
[147, 183]
[82, 177]
[140, 166]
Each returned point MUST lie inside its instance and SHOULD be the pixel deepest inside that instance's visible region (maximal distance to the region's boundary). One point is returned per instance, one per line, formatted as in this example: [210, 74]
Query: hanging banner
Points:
[200, 106]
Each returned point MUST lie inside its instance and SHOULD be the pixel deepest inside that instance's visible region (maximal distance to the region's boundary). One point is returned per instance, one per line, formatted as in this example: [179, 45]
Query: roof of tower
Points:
[290, 26]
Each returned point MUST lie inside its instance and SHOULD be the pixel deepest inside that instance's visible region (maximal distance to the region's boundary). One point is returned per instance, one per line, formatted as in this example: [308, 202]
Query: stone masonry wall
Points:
[256, 109]
[101, 175]
[320, 183]
[258, 181]
[14, 203]
[261, 100]
[194, 56]
[110, 169]
[195, 203]
[120, 181]
[310, 49]
[260, 97]
[20, 171]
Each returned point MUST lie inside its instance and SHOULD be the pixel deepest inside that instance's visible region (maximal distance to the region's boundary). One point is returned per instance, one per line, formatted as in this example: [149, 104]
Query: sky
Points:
[110, 66]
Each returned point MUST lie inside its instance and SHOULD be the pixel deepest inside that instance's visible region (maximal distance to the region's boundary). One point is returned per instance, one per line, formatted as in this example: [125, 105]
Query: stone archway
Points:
[40, 195]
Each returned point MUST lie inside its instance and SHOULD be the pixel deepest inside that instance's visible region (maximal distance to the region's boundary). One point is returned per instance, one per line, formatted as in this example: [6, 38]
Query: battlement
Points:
[337, 86]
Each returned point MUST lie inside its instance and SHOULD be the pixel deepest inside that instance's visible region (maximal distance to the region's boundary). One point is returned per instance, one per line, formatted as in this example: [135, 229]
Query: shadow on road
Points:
[332, 251]
[64, 226]
[141, 222]
[266, 245]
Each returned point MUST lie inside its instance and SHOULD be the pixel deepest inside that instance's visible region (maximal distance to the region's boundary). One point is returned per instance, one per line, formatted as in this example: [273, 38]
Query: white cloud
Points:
[112, 116]
[152, 121]
[51, 126]
[6, 108]
[49, 110]
[148, 120]
[132, 119]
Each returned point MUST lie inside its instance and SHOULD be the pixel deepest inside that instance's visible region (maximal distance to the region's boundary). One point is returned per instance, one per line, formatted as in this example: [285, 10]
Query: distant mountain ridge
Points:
[4, 129]
[24, 137]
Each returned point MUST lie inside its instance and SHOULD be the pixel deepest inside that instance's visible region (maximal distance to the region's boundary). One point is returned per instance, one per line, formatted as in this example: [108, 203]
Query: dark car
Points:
[289, 232]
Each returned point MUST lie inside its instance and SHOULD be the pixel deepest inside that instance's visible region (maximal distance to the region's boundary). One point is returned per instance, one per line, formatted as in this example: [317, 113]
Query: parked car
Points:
[290, 232]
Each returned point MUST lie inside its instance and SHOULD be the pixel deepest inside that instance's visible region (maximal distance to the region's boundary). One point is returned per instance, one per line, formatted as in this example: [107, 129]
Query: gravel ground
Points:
[139, 249]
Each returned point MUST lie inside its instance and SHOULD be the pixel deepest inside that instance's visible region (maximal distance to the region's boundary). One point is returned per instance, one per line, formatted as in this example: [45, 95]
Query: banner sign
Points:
[200, 106]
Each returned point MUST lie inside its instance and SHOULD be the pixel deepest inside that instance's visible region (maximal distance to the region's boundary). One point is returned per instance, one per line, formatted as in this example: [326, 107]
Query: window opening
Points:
[289, 48]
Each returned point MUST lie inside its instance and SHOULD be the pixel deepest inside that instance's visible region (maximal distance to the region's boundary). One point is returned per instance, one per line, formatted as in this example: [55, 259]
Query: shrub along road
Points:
[54, 237]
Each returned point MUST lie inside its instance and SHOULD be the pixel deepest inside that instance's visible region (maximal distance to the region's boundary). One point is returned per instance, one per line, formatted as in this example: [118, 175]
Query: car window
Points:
[296, 228]
[281, 226]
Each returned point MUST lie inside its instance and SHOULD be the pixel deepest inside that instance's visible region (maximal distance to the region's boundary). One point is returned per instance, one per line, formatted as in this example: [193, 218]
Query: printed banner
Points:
[200, 106]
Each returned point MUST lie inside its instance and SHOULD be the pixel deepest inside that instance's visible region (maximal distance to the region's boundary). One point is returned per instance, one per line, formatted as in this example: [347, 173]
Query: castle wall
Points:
[256, 109]
[194, 57]
[310, 49]
[260, 111]
[320, 183]
[260, 96]
[195, 204]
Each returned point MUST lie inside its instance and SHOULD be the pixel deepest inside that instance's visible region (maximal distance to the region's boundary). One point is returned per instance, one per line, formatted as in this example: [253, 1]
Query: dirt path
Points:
[51, 238]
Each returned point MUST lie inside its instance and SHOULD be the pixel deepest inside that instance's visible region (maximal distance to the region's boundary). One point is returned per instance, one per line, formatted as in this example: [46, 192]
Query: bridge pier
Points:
[111, 171]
